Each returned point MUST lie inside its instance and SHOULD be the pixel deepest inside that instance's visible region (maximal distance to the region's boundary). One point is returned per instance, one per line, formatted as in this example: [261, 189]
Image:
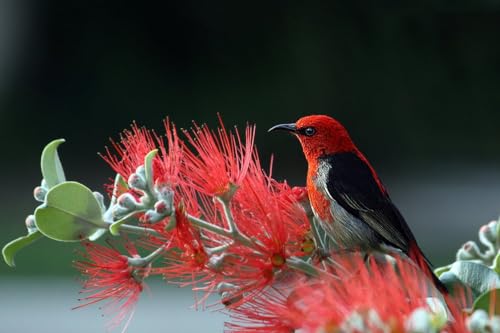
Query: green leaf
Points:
[10, 249]
[114, 228]
[496, 263]
[478, 277]
[440, 270]
[490, 300]
[120, 186]
[70, 213]
[52, 170]
[148, 168]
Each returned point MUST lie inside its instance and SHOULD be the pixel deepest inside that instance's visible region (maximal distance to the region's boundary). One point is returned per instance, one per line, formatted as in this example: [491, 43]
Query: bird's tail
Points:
[416, 254]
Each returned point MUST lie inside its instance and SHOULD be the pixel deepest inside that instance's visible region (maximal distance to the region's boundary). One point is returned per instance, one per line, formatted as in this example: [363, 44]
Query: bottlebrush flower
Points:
[268, 215]
[133, 146]
[269, 212]
[108, 277]
[137, 142]
[370, 294]
[186, 260]
[219, 159]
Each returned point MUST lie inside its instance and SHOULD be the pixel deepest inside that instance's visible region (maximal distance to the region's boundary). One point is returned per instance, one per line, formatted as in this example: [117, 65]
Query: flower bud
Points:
[40, 193]
[215, 262]
[137, 182]
[488, 235]
[478, 321]
[141, 171]
[354, 322]
[127, 200]
[30, 223]
[228, 293]
[420, 321]
[229, 299]
[152, 217]
[164, 192]
[226, 286]
[162, 208]
[469, 251]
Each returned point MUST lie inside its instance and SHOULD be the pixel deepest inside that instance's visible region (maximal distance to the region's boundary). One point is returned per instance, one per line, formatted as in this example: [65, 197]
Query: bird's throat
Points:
[319, 203]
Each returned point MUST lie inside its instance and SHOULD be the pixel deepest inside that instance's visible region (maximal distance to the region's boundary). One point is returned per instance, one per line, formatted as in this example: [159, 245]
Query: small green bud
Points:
[228, 293]
[152, 217]
[420, 321]
[137, 182]
[488, 234]
[164, 192]
[478, 321]
[216, 261]
[30, 223]
[163, 208]
[469, 251]
[40, 193]
[127, 200]
[141, 171]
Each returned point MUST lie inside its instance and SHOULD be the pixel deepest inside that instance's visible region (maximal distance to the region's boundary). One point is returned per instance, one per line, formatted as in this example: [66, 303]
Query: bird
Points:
[347, 197]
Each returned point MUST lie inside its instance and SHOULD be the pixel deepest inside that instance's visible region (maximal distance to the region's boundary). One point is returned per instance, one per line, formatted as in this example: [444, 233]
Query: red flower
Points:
[187, 257]
[134, 145]
[137, 142]
[324, 304]
[109, 277]
[167, 165]
[268, 215]
[268, 211]
[221, 159]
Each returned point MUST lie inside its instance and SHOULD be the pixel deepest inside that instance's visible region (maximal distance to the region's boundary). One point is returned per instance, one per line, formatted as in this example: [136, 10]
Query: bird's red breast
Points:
[320, 204]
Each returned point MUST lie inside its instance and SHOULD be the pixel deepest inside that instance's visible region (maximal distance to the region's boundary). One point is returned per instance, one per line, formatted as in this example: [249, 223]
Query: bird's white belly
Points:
[347, 231]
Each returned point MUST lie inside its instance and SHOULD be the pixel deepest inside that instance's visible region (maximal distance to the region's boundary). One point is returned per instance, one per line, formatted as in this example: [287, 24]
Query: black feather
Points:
[352, 183]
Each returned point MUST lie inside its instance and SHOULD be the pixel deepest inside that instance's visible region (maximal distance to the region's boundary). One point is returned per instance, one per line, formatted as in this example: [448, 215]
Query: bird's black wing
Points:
[351, 183]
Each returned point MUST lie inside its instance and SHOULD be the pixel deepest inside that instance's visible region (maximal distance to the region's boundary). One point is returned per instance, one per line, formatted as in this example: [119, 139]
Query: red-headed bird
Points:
[347, 196]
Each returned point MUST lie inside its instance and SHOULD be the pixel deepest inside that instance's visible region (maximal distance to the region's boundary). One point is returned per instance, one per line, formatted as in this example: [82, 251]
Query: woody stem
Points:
[142, 262]
[233, 228]
[299, 264]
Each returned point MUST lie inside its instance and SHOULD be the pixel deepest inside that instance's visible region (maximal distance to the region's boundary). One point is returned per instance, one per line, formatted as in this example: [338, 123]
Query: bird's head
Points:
[319, 135]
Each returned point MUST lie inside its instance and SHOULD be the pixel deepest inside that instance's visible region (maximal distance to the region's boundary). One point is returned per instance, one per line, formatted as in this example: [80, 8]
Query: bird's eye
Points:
[309, 131]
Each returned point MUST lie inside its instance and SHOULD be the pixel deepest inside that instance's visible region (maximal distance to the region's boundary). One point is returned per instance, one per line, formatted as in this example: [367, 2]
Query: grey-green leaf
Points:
[440, 270]
[52, 169]
[496, 263]
[10, 249]
[120, 186]
[114, 228]
[490, 300]
[70, 213]
[478, 277]
[148, 168]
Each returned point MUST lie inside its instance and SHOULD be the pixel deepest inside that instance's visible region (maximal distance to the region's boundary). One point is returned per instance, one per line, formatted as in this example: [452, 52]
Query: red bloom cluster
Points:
[109, 277]
[219, 160]
[217, 177]
[236, 229]
[133, 146]
[393, 291]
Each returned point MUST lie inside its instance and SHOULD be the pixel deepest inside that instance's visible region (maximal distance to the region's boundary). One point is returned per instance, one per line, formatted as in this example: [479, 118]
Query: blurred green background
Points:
[418, 88]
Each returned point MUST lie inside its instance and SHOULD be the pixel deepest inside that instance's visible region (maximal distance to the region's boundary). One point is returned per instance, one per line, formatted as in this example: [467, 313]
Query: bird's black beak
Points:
[284, 127]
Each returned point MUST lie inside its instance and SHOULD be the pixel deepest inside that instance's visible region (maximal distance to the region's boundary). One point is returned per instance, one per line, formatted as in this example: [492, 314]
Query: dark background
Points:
[418, 88]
